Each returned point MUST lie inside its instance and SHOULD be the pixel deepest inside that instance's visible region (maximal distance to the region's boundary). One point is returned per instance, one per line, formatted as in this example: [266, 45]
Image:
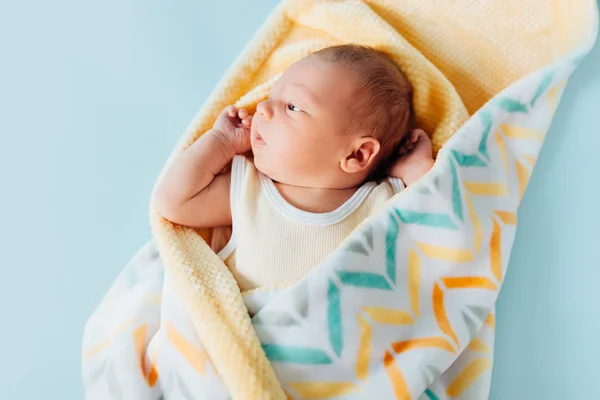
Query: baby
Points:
[332, 143]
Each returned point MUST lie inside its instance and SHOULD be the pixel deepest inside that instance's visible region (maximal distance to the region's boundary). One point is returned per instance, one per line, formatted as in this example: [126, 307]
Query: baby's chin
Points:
[273, 168]
[262, 165]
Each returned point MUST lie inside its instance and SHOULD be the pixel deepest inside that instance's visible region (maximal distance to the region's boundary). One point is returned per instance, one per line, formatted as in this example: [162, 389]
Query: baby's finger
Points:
[414, 137]
[242, 114]
[247, 121]
[231, 111]
[421, 134]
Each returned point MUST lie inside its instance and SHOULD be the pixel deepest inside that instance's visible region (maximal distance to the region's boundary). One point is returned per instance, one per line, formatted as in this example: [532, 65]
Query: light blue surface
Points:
[93, 97]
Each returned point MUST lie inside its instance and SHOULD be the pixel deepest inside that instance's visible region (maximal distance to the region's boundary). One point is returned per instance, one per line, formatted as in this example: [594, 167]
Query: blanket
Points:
[404, 308]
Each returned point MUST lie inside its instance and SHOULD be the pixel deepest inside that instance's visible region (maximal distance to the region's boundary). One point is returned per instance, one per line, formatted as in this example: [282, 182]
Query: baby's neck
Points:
[315, 200]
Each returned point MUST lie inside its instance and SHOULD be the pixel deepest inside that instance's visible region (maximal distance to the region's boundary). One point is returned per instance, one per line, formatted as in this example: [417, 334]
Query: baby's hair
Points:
[386, 110]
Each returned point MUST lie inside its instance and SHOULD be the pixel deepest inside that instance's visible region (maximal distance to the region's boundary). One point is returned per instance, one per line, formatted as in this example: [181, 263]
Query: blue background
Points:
[93, 97]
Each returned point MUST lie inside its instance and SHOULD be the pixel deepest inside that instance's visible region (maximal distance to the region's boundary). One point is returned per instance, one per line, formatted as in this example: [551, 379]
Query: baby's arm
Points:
[194, 192]
[416, 158]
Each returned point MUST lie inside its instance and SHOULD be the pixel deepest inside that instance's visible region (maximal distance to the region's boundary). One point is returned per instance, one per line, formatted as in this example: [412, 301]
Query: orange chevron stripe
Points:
[553, 99]
[508, 218]
[468, 375]
[530, 159]
[487, 189]
[104, 344]
[436, 341]
[490, 320]
[496, 251]
[523, 177]
[477, 229]
[445, 253]
[364, 349]
[149, 372]
[153, 376]
[554, 96]
[440, 314]
[396, 378]
[384, 315]
[195, 357]
[479, 346]
[322, 390]
[472, 282]
[414, 280]
[517, 132]
[502, 148]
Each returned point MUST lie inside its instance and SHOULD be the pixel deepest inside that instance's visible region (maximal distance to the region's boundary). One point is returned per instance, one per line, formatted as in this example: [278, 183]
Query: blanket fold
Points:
[405, 307]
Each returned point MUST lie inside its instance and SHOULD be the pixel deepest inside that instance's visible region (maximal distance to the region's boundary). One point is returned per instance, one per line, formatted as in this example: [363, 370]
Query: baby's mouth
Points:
[258, 139]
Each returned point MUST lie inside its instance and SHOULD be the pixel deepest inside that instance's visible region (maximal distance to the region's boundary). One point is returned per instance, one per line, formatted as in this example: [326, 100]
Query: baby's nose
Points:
[265, 109]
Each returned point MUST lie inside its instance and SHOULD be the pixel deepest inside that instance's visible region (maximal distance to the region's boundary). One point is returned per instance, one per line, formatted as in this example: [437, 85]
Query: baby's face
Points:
[300, 133]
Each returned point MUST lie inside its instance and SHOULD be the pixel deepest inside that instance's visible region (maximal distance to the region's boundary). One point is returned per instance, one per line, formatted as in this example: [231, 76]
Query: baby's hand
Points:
[416, 157]
[234, 127]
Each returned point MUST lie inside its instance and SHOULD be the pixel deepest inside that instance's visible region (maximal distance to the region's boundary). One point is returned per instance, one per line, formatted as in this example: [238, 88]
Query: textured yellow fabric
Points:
[274, 247]
[457, 54]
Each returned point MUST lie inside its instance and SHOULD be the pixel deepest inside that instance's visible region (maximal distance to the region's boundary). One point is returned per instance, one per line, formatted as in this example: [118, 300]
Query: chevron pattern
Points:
[407, 281]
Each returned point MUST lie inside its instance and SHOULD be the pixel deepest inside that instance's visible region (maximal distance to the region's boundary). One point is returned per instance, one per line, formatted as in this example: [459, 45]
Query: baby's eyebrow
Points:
[308, 94]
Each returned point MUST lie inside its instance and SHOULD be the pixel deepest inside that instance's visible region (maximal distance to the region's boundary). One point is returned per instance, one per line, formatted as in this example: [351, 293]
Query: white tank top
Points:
[274, 244]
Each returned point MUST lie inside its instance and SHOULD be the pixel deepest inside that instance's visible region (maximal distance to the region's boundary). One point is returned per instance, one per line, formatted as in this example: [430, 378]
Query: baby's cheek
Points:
[285, 147]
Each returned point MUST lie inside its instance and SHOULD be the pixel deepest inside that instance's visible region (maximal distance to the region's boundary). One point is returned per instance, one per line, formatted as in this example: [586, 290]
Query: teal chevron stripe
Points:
[486, 119]
[428, 219]
[390, 248]
[363, 279]
[544, 84]
[467, 160]
[295, 355]
[431, 395]
[511, 105]
[334, 318]
[456, 198]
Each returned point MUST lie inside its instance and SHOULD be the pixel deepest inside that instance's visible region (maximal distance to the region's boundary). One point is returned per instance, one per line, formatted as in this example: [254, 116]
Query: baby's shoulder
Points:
[395, 184]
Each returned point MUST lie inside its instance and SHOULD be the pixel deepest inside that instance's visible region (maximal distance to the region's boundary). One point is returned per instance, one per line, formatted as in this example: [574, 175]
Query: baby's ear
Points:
[363, 155]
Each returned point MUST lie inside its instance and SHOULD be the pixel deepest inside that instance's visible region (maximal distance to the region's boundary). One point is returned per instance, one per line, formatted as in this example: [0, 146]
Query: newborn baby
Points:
[332, 143]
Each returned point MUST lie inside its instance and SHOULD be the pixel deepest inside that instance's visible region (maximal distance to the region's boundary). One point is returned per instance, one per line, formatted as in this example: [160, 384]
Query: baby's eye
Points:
[292, 107]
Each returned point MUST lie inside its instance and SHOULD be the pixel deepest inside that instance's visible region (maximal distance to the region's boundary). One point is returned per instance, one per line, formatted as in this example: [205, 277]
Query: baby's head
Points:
[333, 119]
